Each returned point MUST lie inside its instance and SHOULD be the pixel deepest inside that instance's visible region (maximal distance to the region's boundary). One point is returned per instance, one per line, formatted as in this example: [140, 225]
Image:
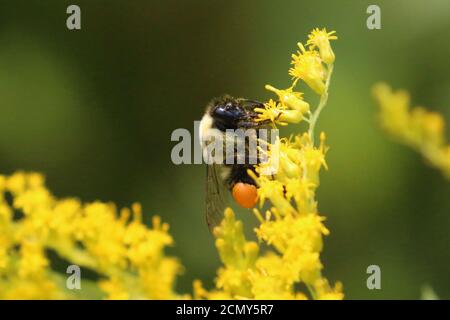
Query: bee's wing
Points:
[250, 104]
[216, 193]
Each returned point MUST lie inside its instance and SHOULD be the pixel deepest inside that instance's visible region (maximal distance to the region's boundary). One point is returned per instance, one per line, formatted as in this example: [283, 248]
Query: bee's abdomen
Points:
[239, 173]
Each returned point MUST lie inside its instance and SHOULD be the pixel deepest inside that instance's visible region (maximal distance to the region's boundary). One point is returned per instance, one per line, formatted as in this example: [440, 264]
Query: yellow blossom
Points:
[422, 130]
[321, 39]
[291, 107]
[127, 255]
[291, 99]
[325, 292]
[32, 259]
[292, 227]
[130, 258]
[114, 289]
[309, 68]
[277, 113]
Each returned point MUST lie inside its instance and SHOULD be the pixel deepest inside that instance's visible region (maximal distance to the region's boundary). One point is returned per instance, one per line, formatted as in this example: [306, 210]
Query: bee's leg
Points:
[252, 124]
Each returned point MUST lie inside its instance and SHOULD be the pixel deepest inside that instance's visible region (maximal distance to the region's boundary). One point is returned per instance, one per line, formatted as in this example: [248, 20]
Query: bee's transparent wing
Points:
[216, 194]
[250, 104]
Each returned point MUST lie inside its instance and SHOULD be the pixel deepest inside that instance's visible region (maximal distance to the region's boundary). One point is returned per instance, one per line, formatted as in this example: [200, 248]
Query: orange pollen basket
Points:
[245, 194]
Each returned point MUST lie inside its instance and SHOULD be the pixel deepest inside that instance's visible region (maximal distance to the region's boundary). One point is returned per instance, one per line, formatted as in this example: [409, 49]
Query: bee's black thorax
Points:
[226, 113]
[230, 113]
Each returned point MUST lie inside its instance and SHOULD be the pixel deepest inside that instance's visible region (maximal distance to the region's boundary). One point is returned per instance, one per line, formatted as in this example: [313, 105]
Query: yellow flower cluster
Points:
[422, 130]
[128, 257]
[292, 227]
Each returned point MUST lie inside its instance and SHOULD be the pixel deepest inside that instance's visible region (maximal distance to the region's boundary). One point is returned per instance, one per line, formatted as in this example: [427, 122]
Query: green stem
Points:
[312, 124]
[322, 103]
[312, 291]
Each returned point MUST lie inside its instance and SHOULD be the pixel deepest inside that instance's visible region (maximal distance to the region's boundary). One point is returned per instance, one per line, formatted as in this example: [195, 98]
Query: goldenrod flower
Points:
[292, 227]
[325, 292]
[309, 68]
[277, 113]
[128, 255]
[321, 39]
[291, 108]
[416, 127]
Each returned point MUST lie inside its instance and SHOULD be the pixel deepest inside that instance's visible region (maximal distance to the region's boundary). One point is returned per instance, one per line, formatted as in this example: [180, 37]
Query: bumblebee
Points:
[225, 114]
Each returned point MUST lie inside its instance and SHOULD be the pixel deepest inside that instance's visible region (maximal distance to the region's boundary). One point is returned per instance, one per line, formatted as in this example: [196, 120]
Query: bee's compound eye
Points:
[245, 194]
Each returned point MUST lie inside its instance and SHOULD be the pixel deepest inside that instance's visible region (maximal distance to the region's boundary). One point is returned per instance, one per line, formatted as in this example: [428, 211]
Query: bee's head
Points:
[227, 112]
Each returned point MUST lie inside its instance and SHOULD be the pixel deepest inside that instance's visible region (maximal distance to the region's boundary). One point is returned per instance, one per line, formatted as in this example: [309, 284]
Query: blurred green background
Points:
[94, 110]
